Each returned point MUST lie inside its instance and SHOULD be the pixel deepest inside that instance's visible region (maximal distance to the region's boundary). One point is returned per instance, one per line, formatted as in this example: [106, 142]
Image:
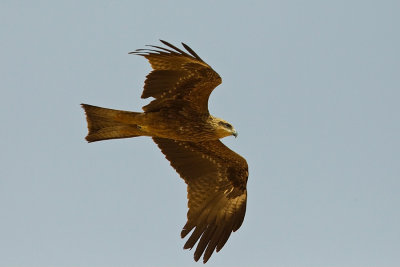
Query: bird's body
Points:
[174, 123]
[180, 124]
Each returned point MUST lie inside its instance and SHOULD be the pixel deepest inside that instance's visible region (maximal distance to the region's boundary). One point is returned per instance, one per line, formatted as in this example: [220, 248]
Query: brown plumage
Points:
[180, 124]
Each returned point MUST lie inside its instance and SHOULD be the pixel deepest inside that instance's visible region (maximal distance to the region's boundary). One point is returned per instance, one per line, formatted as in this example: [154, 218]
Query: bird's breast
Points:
[180, 126]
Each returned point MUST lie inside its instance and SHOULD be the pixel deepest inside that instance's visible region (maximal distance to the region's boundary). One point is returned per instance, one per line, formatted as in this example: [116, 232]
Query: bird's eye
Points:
[225, 124]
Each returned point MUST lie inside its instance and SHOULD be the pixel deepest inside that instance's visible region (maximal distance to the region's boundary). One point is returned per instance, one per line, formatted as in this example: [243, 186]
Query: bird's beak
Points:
[234, 133]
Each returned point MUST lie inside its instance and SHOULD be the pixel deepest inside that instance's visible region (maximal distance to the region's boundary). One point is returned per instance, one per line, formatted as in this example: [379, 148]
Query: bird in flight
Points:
[178, 121]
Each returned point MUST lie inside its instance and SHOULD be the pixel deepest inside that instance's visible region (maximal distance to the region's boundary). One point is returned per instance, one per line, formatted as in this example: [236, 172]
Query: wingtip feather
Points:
[191, 51]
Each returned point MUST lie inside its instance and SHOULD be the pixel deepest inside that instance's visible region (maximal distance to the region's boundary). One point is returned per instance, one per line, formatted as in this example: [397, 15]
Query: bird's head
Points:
[223, 128]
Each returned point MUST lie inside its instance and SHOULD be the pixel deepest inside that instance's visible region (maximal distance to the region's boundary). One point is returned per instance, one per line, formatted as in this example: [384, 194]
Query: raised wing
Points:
[216, 178]
[177, 75]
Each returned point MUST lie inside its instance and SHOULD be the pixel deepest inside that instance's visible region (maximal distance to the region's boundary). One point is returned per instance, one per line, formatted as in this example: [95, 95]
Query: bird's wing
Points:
[216, 178]
[177, 75]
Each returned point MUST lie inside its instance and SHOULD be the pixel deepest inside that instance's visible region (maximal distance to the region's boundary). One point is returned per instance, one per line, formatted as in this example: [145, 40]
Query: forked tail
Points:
[104, 123]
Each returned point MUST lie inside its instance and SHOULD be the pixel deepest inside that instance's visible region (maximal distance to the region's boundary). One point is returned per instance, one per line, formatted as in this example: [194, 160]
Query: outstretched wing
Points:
[216, 178]
[177, 75]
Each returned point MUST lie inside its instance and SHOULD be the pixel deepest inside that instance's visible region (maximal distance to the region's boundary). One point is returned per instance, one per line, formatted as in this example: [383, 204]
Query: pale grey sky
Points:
[312, 87]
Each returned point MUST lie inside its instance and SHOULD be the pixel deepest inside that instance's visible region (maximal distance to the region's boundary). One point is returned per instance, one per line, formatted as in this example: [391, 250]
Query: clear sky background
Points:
[312, 87]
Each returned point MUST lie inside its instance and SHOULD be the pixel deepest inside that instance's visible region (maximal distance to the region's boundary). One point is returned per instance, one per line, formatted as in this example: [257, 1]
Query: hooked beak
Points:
[234, 133]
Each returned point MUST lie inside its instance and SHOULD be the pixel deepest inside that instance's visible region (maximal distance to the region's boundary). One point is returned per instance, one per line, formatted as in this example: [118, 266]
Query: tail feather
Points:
[104, 123]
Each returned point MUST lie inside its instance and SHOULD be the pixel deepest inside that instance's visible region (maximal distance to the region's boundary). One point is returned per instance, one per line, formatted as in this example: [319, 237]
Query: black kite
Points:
[180, 124]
